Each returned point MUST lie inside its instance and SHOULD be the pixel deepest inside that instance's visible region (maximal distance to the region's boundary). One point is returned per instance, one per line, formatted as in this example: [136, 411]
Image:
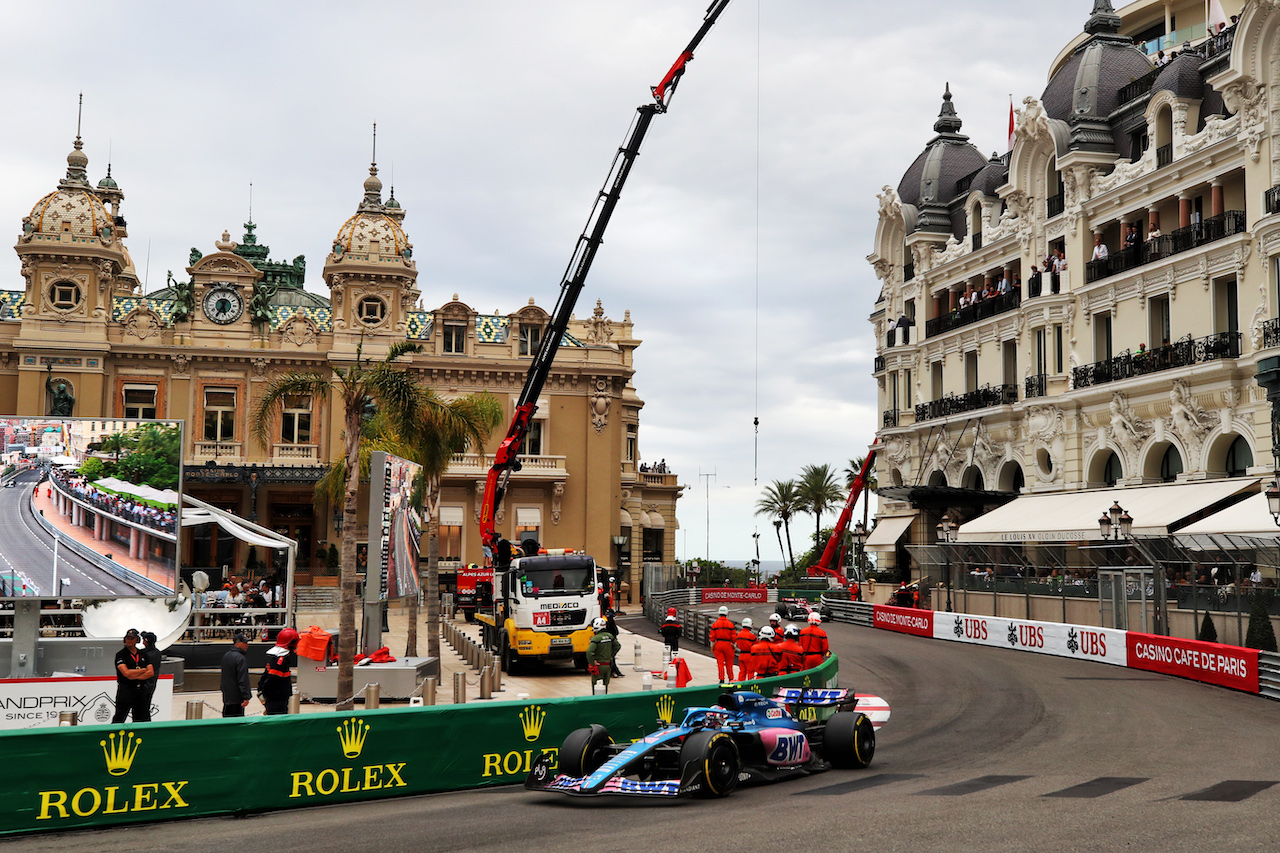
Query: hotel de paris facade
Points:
[1133, 370]
[201, 350]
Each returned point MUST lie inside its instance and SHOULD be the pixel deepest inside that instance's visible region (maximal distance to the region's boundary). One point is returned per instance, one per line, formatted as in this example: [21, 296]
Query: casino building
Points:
[202, 348]
[1138, 368]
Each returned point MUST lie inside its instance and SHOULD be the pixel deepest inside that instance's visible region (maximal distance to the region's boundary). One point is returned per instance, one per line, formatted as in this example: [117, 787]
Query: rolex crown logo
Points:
[531, 720]
[352, 733]
[807, 683]
[120, 753]
[666, 708]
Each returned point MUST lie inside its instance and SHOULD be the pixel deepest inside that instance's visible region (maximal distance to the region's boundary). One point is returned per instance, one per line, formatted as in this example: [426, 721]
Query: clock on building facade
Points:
[223, 305]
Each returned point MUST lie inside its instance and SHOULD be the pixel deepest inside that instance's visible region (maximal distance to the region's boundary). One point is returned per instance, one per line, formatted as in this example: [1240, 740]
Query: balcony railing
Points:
[973, 313]
[1036, 386]
[1273, 200]
[890, 418]
[1271, 333]
[1139, 87]
[908, 272]
[977, 240]
[1183, 240]
[879, 364]
[227, 450]
[1055, 204]
[1164, 155]
[954, 404]
[295, 452]
[1221, 43]
[1183, 353]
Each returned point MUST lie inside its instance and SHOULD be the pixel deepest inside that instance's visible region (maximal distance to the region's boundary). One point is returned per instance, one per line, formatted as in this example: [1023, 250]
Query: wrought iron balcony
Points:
[1164, 155]
[879, 364]
[1055, 204]
[977, 240]
[908, 272]
[1271, 333]
[973, 313]
[1182, 240]
[1036, 386]
[1273, 200]
[890, 418]
[954, 404]
[1221, 43]
[1139, 87]
[1182, 353]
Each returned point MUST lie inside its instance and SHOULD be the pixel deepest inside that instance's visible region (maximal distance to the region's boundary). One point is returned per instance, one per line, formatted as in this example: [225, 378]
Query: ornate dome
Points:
[368, 231]
[73, 205]
[1182, 78]
[931, 180]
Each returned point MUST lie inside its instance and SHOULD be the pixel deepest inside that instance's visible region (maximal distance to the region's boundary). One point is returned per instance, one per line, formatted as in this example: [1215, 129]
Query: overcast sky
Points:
[497, 122]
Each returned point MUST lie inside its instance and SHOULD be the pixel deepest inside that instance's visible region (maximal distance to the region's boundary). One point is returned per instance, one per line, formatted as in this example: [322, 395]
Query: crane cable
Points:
[755, 479]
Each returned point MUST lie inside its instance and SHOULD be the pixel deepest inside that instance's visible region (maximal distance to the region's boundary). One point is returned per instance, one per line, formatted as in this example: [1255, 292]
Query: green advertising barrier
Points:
[94, 776]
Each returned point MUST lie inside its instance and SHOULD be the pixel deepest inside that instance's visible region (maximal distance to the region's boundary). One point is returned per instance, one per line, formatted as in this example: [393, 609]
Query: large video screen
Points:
[395, 523]
[91, 508]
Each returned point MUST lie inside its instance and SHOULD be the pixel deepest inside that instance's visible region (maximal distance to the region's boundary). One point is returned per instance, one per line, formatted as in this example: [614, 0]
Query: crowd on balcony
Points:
[119, 506]
[655, 468]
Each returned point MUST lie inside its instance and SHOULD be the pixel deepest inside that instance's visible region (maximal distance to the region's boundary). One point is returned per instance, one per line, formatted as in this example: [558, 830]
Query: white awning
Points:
[451, 516]
[528, 516]
[1250, 517]
[624, 520]
[656, 521]
[644, 520]
[193, 517]
[1073, 516]
[888, 531]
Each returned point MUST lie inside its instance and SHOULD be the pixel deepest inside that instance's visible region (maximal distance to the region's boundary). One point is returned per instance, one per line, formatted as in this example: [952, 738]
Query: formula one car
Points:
[744, 738]
[798, 609]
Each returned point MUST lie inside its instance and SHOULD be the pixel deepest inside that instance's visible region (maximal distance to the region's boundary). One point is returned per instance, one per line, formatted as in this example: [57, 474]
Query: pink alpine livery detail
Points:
[785, 747]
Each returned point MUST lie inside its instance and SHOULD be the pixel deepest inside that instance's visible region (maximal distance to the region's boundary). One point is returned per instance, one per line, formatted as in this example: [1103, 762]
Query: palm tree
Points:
[819, 491]
[385, 385]
[781, 500]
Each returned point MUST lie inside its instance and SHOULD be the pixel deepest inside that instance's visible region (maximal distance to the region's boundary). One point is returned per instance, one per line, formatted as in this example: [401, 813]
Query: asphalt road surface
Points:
[26, 551]
[987, 749]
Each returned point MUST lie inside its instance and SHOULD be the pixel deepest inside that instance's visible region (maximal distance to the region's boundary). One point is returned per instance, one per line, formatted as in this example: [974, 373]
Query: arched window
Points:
[1170, 464]
[1112, 472]
[1239, 457]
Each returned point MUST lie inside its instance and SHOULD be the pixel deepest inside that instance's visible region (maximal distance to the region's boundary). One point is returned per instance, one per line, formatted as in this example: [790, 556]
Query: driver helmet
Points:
[775, 619]
[723, 611]
[746, 622]
[766, 633]
[814, 618]
[792, 632]
[599, 624]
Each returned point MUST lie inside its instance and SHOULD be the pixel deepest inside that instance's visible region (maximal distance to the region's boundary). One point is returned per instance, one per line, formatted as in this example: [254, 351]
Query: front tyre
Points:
[584, 750]
[714, 757]
[849, 740]
[508, 659]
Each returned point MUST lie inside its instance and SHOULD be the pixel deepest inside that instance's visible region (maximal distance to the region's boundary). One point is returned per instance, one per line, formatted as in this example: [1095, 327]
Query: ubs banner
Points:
[1103, 645]
[29, 703]
[104, 775]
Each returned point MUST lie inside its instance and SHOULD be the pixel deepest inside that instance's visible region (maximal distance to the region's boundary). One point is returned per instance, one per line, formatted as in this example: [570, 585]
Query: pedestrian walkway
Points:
[556, 680]
[152, 570]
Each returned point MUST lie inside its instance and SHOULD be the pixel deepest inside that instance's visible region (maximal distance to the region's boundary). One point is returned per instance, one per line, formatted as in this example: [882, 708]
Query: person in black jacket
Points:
[612, 628]
[671, 630]
[132, 672]
[275, 687]
[235, 678]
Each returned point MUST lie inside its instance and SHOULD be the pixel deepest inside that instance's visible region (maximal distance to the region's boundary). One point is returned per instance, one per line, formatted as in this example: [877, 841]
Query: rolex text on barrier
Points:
[95, 775]
[1104, 645]
[722, 595]
[904, 620]
[1214, 663]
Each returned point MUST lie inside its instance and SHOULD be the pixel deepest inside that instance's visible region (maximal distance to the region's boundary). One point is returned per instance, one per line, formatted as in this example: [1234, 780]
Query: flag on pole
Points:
[1218, 20]
[1011, 121]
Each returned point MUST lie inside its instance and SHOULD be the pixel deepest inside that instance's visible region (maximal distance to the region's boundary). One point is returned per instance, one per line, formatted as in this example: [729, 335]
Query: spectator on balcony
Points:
[1131, 236]
[1003, 287]
[904, 328]
[1034, 281]
[1153, 233]
[1099, 248]
[967, 298]
[1161, 59]
[1059, 262]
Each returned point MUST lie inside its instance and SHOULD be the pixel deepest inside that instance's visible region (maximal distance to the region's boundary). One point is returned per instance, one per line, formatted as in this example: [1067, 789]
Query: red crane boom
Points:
[823, 566]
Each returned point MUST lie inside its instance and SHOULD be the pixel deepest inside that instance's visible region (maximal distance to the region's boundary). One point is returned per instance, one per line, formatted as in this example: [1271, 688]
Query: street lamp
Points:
[1116, 524]
[947, 533]
[1273, 498]
[859, 539]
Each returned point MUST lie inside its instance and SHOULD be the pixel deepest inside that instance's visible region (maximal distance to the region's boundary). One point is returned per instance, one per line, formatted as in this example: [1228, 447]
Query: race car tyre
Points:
[509, 660]
[716, 756]
[583, 751]
[849, 740]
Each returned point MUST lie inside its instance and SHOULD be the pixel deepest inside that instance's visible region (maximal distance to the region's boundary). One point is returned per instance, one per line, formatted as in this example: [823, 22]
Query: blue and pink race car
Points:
[746, 737]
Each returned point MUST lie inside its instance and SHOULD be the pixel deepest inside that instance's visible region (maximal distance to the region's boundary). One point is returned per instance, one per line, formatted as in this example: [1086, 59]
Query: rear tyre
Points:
[716, 757]
[849, 740]
[507, 655]
[584, 750]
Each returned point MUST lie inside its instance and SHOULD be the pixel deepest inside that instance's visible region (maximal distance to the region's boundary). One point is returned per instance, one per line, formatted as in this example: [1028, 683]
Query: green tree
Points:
[819, 491]
[1261, 634]
[383, 385]
[93, 468]
[781, 500]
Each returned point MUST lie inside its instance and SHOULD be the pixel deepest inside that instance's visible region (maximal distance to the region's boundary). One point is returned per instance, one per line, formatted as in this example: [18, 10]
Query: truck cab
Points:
[542, 609]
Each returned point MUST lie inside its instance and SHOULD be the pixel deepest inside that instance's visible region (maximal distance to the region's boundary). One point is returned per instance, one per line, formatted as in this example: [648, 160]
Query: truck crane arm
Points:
[506, 460]
[823, 566]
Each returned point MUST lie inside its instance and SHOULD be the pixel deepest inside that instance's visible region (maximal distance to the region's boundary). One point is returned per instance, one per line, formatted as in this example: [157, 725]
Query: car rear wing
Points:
[815, 697]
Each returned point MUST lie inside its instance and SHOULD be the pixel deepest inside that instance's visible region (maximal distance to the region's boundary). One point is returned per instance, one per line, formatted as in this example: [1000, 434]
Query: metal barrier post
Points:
[495, 676]
[638, 667]
[372, 696]
[195, 709]
[68, 718]
[429, 690]
[486, 690]
[295, 704]
[459, 688]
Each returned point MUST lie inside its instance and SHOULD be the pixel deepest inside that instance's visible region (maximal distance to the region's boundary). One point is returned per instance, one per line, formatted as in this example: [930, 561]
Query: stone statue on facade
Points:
[63, 400]
[184, 299]
[260, 303]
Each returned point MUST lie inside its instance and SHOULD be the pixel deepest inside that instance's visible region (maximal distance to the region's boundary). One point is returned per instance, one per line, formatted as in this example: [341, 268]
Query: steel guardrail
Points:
[854, 612]
[1269, 675]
